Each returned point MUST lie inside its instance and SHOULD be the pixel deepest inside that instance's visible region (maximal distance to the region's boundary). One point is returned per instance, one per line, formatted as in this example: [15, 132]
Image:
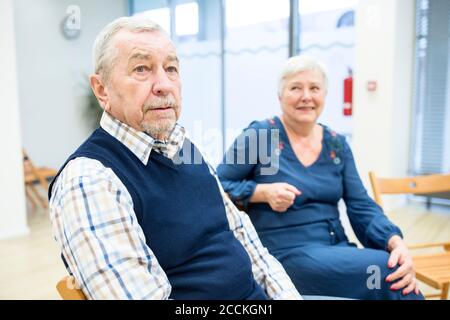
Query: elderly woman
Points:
[294, 208]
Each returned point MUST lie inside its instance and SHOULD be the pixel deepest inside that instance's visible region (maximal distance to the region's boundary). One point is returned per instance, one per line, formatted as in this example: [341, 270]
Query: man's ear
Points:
[99, 89]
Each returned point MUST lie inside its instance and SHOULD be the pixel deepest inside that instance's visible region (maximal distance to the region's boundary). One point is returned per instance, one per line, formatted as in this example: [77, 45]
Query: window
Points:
[186, 19]
[327, 32]
[236, 68]
[315, 6]
[430, 141]
[247, 12]
[184, 13]
[161, 16]
[325, 15]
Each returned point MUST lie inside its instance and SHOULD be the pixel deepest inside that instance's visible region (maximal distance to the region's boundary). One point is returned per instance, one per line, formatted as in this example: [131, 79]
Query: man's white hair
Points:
[298, 64]
[104, 52]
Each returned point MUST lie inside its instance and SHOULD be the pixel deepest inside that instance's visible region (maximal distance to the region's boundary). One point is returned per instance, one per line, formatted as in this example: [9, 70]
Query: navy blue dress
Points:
[308, 239]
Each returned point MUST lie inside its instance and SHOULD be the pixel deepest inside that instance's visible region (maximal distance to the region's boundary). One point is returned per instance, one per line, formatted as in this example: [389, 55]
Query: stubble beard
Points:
[160, 128]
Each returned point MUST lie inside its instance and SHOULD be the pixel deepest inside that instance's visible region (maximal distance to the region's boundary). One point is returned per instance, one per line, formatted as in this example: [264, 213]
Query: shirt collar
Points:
[141, 143]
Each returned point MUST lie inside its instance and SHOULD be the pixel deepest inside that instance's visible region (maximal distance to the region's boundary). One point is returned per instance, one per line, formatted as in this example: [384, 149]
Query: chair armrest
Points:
[446, 245]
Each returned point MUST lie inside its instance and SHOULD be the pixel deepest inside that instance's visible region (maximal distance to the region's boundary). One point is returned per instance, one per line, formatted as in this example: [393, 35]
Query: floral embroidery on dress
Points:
[335, 145]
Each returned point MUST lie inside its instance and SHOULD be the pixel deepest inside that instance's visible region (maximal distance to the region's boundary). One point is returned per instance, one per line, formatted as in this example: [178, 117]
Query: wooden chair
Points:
[68, 290]
[432, 269]
[36, 176]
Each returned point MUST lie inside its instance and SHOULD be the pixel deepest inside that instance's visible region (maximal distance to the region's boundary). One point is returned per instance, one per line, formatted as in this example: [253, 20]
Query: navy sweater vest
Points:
[181, 211]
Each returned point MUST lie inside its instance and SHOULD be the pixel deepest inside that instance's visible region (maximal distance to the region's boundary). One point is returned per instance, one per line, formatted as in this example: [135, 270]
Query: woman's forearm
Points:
[260, 193]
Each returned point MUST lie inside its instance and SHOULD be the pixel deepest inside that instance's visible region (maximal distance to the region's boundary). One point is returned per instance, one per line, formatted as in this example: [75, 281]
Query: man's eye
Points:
[141, 69]
[172, 69]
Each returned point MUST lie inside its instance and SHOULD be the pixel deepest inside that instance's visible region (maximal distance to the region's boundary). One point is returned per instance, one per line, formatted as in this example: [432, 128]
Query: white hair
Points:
[298, 64]
[104, 53]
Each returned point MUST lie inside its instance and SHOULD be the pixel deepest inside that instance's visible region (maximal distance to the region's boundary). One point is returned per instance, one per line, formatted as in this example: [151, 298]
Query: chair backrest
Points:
[436, 183]
[68, 290]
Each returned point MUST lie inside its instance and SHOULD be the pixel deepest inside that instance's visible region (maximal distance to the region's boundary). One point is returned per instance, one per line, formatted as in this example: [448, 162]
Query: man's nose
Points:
[162, 84]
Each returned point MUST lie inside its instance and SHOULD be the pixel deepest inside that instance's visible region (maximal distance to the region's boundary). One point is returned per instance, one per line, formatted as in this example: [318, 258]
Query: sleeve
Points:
[368, 220]
[267, 271]
[94, 223]
[237, 165]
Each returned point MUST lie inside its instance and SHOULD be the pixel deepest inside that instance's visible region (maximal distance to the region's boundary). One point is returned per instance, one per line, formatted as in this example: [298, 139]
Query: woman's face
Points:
[303, 96]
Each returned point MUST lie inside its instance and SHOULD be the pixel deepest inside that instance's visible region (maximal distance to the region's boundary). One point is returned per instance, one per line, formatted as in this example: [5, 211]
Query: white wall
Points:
[51, 72]
[12, 197]
[384, 53]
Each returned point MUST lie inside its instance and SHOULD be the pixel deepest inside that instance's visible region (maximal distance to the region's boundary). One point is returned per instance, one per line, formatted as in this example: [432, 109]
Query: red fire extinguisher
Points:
[348, 94]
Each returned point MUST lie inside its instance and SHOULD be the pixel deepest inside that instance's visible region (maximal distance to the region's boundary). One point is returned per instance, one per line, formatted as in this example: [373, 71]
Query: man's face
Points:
[144, 89]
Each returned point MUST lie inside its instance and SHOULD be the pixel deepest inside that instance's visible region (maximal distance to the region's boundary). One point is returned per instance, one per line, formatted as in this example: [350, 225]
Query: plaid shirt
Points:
[95, 225]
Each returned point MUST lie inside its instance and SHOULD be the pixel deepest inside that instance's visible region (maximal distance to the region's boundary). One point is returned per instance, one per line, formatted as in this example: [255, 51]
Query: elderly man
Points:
[134, 218]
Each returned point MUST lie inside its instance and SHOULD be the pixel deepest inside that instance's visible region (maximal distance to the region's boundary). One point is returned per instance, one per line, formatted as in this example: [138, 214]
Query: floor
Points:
[30, 266]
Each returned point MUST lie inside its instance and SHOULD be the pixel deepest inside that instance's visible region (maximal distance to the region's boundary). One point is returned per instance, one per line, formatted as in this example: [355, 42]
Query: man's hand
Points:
[400, 256]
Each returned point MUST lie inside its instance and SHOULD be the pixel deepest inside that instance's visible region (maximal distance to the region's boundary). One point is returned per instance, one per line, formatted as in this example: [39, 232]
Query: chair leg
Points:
[444, 294]
[31, 198]
[428, 203]
[38, 196]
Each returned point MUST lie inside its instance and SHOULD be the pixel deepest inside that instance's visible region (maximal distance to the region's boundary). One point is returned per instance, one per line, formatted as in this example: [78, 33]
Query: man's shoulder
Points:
[81, 170]
[83, 166]
[86, 174]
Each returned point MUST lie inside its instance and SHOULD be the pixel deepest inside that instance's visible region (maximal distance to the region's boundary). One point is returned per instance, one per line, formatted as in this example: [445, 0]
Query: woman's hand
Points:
[400, 255]
[280, 196]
